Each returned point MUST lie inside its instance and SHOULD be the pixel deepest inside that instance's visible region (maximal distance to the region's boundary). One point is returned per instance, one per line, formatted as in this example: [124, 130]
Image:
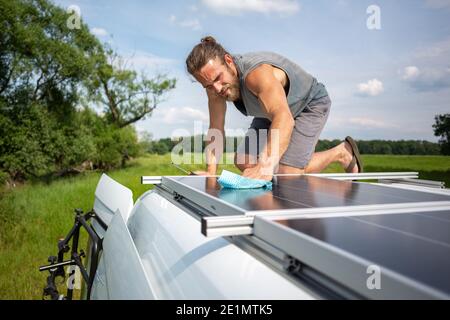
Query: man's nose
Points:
[218, 87]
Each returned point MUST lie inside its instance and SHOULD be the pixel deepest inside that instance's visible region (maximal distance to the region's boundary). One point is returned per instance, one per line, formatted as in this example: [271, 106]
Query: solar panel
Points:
[291, 192]
[412, 250]
[336, 228]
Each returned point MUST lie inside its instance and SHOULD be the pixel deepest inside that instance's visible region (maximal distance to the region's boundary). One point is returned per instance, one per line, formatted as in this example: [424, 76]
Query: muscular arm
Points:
[272, 98]
[217, 109]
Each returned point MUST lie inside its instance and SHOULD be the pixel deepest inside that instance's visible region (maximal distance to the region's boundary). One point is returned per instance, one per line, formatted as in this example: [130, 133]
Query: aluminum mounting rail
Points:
[243, 225]
[338, 176]
[367, 175]
[416, 182]
[151, 179]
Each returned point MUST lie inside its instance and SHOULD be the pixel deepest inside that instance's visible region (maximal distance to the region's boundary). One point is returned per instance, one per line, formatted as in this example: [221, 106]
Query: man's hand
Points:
[259, 172]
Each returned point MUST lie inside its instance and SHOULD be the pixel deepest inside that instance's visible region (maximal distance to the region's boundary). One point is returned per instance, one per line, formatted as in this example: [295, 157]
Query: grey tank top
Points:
[303, 88]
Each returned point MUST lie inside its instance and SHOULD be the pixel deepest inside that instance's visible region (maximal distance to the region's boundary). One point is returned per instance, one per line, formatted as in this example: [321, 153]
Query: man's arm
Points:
[272, 98]
[217, 108]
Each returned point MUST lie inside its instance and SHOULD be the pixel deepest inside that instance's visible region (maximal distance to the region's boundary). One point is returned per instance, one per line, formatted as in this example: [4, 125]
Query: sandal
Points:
[356, 159]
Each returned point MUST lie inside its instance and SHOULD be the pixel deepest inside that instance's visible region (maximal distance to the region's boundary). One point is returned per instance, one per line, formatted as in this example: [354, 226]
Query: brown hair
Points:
[207, 49]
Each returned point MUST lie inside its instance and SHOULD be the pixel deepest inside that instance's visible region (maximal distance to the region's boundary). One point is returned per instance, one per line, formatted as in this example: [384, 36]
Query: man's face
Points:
[220, 78]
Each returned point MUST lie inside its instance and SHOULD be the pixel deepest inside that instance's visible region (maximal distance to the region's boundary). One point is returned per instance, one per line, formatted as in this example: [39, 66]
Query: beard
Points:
[234, 92]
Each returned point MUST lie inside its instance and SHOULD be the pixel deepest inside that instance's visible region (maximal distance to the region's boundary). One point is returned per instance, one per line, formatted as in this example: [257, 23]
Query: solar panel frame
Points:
[210, 203]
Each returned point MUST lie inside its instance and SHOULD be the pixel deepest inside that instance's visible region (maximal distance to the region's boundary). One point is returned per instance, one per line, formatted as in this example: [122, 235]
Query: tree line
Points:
[401, 147]
[441, 129]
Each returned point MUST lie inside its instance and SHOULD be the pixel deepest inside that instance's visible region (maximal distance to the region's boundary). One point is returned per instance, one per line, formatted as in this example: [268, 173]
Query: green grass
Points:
[35, 215]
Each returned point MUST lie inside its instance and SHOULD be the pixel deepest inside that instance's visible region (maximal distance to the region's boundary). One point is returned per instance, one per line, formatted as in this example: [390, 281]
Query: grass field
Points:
[35, 215]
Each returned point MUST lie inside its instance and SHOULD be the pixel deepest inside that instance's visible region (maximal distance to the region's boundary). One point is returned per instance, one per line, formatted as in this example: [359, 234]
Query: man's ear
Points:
[228, 59]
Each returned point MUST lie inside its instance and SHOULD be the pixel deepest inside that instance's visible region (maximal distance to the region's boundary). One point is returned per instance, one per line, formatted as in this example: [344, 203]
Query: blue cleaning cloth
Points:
[231, 180]
[242, 198]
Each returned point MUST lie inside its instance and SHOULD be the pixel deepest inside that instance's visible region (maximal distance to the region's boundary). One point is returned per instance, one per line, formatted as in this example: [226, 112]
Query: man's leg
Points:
[342, 154]
[300, 156]
[321, 160]
[285, 169]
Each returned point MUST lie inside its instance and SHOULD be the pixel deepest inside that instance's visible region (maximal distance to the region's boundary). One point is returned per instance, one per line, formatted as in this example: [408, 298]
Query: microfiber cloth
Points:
[243, 197]
[231, 180]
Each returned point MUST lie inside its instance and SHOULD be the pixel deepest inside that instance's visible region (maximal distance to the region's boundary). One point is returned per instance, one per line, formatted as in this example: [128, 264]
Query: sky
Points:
[386, 64]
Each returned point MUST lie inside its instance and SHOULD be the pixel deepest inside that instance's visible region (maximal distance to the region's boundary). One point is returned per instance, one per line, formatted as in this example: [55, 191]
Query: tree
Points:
[42, 60]
[127, 96]
[42, 65]
[442, 130]
[47, 70]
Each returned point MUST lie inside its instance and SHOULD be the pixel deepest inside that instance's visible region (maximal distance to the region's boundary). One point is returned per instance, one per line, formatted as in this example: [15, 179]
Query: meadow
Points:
[33, 216]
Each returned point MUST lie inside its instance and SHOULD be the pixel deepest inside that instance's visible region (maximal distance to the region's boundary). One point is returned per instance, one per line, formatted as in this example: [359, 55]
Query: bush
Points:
[3, 177]
[34, 143]
[113, 146]
[159, 148]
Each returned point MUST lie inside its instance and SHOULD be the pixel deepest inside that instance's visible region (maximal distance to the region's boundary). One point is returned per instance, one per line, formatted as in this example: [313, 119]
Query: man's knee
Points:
[284, 169]
[244, 161]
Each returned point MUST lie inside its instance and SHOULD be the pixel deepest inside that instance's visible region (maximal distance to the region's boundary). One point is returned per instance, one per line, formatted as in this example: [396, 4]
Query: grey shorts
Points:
[308, 126]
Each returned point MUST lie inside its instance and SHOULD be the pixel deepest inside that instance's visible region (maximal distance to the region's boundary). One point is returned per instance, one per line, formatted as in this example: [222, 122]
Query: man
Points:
[282, 97]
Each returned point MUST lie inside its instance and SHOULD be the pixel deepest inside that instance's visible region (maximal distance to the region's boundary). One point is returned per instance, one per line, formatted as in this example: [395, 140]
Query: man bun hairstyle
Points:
[208, 39]
[207, 49]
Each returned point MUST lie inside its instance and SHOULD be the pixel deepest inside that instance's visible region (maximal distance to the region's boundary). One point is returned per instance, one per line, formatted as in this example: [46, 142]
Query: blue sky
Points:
[386, 83]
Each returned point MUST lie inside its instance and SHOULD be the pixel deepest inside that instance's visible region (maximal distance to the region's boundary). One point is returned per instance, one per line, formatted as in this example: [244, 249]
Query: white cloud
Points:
[99, 32]
[427, 79]
[372, 88]
[429, 67]
[231, 7]
[178, 115]
[410, 73]
[193, 24]
[438, 4]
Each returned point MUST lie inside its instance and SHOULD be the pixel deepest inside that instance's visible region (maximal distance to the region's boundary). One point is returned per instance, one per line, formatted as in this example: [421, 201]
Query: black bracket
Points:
[177, 197]
[57, 263]
[292, 265]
